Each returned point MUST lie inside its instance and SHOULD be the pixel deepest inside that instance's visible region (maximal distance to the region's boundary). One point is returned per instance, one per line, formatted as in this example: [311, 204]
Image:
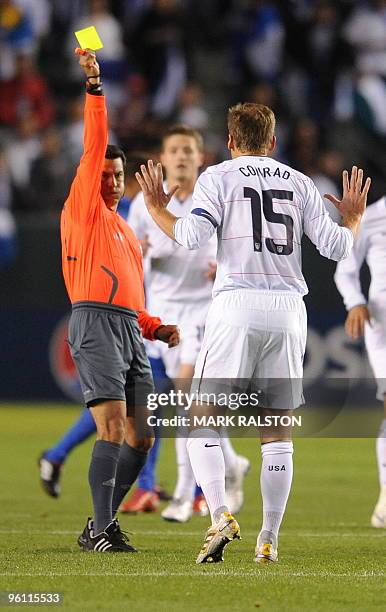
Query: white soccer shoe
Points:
[266, 548]
[265, 553]
[178, 511]
[378, 519]
[234, 493]
[217, 537]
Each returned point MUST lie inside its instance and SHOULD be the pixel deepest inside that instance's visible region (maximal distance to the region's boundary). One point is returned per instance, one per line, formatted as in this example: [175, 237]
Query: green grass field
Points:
[330, 558]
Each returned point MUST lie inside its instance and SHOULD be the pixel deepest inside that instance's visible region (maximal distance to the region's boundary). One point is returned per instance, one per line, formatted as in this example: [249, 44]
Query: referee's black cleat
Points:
[50, 476]
[112, 539]
[86, 534]
[120, 538]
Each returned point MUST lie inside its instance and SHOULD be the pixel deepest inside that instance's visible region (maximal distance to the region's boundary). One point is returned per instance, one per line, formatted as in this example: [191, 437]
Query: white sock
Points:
[207, 461]
[186, 482]
[275, 481]
[381, 454]
[230, 455]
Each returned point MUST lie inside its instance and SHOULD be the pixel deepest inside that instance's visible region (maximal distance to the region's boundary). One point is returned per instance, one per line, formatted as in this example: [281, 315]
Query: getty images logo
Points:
[276, 468]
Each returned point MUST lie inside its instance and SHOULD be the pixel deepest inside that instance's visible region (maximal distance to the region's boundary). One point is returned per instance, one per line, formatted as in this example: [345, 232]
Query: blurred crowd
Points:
[320, 64]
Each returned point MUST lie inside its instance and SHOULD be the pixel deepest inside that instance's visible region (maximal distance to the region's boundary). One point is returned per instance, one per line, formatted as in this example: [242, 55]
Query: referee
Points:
[102, 269]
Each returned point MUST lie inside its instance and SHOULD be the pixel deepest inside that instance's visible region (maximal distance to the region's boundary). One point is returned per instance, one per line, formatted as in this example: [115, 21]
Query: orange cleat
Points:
[140, 501]
[200, 506]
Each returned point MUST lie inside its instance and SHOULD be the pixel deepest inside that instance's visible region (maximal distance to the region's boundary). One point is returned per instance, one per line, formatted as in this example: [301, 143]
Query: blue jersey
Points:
[124, 207]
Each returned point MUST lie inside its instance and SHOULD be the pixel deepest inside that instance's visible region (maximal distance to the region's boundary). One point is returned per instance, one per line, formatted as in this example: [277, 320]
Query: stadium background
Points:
[321, 65]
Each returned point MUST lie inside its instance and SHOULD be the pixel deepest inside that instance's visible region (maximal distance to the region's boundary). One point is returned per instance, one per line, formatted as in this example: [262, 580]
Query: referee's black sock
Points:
[131, 462]
[101, 477]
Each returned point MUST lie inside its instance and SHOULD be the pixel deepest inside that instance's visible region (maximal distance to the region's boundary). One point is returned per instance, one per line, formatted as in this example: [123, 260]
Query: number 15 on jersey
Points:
[264, 206]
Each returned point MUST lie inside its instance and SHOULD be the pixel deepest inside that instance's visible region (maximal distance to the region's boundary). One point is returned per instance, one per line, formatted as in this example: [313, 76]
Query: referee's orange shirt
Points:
[101, 256]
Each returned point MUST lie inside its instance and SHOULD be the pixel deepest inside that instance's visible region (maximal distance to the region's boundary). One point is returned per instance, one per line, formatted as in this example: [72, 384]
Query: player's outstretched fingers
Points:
[141, 182]
[362, 197]
[332, 199]
[146, 177]
[366, 188]
[346, 185]
[160, 180]
[358, 185]
[160, 172]
[152, 172]
[157, 181]
[353, 178]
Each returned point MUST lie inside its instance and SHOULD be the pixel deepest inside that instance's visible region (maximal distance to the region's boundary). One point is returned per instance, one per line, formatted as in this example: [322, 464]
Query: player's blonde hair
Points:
[184, 130]
[252, 126]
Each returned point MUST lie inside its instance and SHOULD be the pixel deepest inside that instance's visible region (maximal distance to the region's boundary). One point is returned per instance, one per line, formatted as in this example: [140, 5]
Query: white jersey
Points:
[370, 246]
[176, 275]
[260, 209]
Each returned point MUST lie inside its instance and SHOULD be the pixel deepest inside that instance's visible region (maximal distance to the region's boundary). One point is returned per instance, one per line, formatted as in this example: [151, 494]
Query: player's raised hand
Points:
[87, 59]
[354, 199]
[169, 334]
[151, 182]
[356, 320]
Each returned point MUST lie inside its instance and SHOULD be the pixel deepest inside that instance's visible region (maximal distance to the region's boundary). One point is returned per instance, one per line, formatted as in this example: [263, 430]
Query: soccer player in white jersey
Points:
[179, 283]
[368, 318]
[256, 325]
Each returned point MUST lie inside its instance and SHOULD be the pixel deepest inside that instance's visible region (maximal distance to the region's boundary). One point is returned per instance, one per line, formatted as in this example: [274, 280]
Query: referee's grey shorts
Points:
[107, 347]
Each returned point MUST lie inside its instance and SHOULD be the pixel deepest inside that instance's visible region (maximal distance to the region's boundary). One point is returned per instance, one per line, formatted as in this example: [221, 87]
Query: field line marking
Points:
[178, 533]
[258, 573]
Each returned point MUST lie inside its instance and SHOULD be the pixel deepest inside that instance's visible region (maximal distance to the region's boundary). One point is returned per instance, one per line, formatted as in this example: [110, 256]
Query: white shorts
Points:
[253, 338]
[375, 340]
[190, 319]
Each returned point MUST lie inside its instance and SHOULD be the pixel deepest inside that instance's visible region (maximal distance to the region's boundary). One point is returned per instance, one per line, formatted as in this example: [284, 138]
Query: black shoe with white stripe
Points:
[119, 538]
[86, 534]
[112, 539]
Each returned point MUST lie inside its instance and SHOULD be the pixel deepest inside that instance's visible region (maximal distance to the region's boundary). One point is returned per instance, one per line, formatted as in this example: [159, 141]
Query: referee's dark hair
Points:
[114, 152]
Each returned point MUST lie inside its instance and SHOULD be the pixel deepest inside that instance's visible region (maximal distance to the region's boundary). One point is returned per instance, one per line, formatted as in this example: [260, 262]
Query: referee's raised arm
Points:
[85, 190]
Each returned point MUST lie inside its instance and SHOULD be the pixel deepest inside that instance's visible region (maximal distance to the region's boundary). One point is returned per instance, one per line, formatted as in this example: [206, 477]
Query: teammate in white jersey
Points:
[256, 326]
[180, 283]
[368, 318]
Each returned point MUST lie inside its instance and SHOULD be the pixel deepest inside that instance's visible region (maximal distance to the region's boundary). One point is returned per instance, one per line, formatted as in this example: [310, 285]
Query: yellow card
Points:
[88, 38]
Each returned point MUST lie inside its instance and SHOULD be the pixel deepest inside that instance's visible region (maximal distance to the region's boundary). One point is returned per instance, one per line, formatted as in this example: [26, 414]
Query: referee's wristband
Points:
[94, 88]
